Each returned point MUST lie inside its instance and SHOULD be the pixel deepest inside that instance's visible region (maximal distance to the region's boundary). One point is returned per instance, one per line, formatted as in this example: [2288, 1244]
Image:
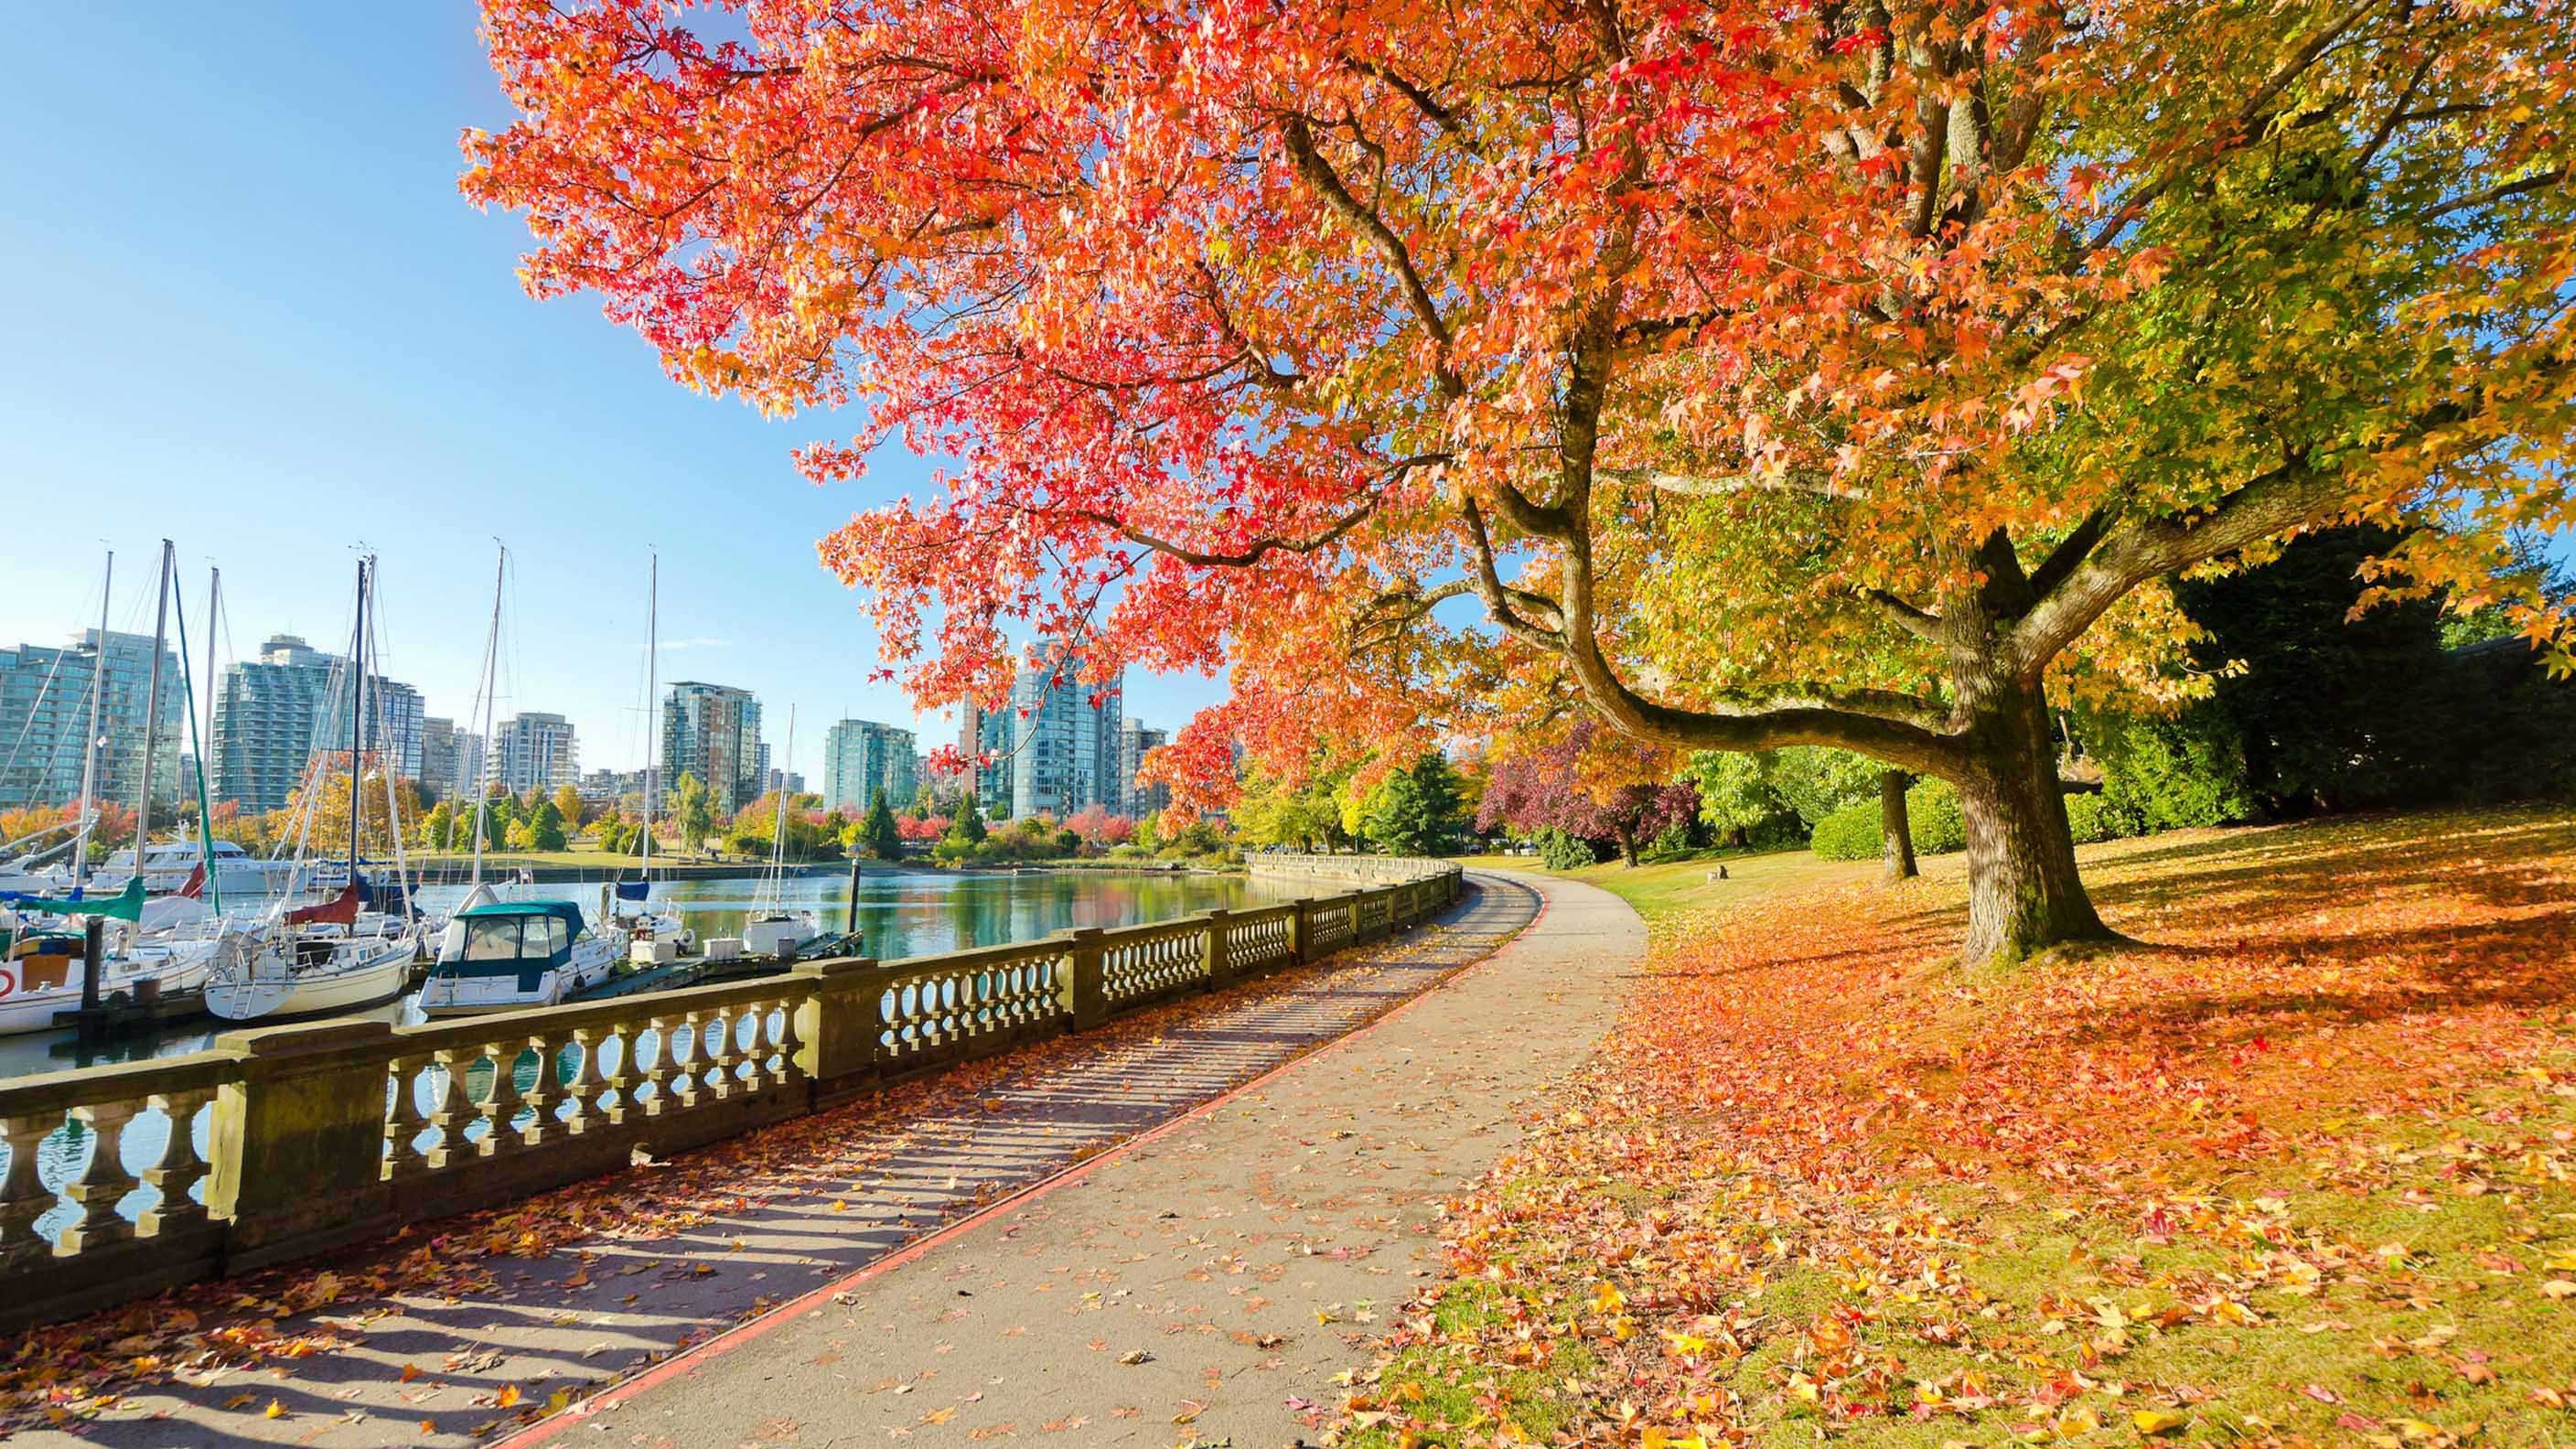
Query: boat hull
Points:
[359, 974]
[25, 1009]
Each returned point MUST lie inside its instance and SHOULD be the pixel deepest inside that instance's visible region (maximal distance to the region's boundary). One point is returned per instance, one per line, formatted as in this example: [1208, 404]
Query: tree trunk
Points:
[1628, 846]
[2024, 893]
[1896, 832]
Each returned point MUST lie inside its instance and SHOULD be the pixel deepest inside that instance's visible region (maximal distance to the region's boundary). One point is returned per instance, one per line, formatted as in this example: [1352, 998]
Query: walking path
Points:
[1207, 1282]
[1236, 1228]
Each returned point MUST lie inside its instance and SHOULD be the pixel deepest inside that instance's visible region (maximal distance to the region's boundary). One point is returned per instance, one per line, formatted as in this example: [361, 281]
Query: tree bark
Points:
[1628, 847]
[1896, 832]
[2024, 892]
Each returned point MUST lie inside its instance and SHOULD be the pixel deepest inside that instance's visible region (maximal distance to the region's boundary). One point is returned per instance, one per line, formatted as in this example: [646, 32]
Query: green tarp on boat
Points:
[125, 905]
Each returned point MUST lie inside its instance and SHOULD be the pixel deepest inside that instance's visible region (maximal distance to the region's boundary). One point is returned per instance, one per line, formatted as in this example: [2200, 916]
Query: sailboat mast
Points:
[483, 765]
[778, 814]
[357, 711]
[151, 707]
[652, 705]
[89, 743]
[213, 892]
[214, 606]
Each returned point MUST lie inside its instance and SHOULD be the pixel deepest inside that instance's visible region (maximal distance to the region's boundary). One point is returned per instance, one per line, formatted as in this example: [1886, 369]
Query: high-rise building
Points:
[1137, 799]
[985, 735]
[438, 760]
[395, 723]
[44, 716]
[1064, 743]
[712, 731]
[861, 758]
[534, 751]
[788, 782]
[273, 712]
[610, 787]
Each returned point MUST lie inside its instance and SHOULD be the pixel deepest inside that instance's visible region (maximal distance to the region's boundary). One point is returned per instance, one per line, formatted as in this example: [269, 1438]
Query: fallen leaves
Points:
[1824, 1178]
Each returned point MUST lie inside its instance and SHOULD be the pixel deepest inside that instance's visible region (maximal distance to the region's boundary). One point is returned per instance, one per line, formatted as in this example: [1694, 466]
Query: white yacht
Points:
[510, 954]
[170, 866]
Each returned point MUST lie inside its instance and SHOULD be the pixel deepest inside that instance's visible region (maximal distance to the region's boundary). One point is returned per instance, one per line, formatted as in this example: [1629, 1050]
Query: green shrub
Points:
[1850, 833]
[1931, 812]
[2172, 774]
[1562, 851]
[2093, 818]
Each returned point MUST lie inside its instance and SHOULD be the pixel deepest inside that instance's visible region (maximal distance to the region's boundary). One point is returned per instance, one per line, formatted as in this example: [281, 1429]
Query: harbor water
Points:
[900, 913]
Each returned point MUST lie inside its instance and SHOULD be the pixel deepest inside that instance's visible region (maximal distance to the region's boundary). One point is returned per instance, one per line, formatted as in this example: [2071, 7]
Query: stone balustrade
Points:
[284, 1141]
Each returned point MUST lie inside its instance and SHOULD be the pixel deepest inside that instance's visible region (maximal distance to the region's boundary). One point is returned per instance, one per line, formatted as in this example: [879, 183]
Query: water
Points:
[901, 913]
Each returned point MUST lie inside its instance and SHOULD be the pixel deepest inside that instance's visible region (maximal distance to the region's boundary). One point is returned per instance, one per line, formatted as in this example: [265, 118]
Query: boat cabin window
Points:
[546, 935]
[492, 938]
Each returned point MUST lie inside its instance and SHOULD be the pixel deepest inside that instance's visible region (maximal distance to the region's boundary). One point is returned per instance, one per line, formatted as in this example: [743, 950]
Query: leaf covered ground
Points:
[2294, 1168]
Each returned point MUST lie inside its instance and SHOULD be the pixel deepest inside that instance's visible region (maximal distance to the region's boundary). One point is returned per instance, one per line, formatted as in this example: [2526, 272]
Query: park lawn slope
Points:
[2293, 1168]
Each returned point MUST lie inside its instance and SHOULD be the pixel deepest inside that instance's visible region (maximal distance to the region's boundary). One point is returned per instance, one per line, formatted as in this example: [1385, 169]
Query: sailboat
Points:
[652, 937]
[498, 955]
[334, 955]
[774, 929]
[38, 949]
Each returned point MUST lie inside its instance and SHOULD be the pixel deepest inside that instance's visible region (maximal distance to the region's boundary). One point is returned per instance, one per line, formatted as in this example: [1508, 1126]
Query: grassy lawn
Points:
[2297, 1166]
[1668, 888]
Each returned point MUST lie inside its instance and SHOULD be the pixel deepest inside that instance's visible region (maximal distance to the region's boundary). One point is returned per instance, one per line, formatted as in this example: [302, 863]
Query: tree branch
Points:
[1319, 174]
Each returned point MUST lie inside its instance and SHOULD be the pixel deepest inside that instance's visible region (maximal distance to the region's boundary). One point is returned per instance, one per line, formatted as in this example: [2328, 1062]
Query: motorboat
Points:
[502, 955]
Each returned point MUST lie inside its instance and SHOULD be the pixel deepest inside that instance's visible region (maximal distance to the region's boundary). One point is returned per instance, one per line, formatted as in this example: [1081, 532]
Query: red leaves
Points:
[1911, 1190]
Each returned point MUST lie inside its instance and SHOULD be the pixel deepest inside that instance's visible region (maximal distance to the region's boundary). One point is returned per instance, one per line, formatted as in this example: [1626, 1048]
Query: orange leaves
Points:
[2014, 1199]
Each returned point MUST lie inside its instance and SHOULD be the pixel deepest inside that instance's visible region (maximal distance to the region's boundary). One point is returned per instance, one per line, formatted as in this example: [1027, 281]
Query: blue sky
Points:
[249, 311]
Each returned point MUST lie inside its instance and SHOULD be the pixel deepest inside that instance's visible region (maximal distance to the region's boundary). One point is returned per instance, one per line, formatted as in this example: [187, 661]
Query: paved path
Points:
[1339, 1154]
[1207, 1281]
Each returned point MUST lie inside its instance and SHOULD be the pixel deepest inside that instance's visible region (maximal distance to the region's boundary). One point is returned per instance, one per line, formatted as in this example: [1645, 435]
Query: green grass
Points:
[1667, 890]
[1437, 1384]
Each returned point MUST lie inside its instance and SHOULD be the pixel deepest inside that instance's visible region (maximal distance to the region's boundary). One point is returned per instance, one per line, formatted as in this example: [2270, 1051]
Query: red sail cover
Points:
[341, 909]
[195, 889]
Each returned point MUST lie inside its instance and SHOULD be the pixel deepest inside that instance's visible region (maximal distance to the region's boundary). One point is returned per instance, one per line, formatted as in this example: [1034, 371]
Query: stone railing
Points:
[284, 1141]
[1366, 870]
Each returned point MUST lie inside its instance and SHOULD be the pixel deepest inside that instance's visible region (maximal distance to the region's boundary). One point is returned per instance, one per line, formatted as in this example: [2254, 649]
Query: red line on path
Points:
[695, 1357]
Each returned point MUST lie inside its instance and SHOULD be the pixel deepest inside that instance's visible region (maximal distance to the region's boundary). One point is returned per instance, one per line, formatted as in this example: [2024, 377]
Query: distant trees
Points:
[1304, 816]
[1591, 786]
[1099, 829]
[692, 814]
[568, 807]
[882, 837]
[1416, 810]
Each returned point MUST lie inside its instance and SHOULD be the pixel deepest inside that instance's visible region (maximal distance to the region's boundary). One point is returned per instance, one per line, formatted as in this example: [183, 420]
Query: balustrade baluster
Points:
[23, 1194]
[618, 1087]
[405, 1120]
[505, 1101]
[686, 1085]
[579, 1087]
[446, 1081]
[101, 1185]
[658, 1075]
[785, 1046]
[178, 1169]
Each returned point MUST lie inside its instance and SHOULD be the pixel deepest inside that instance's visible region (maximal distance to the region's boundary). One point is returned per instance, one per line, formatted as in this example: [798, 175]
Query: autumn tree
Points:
[568, 807]
[692, 813]
[1841, 375]
[1592, 785]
